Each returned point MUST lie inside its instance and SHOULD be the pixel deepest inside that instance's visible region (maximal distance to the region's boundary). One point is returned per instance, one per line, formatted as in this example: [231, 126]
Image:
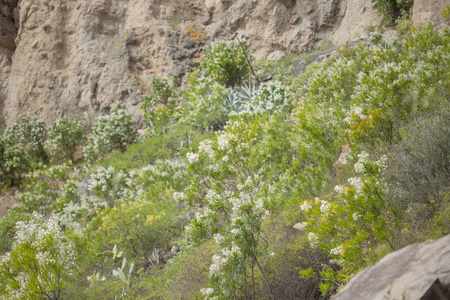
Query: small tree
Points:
[159, 105]
[39, 264]
[226, 62]
[66, 137]
[14, 161]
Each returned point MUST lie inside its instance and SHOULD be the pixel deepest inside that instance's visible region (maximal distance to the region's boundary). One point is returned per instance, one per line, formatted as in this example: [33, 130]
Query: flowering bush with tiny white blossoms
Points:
[31, 134]
[42, 188]
[271, 96]
[111, 132]
[40, 262]
[351, 225]
[319, 155]
[207, 103]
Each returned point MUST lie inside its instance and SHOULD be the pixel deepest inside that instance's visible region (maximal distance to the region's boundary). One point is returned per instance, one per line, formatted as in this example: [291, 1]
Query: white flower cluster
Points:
[356, 216]
[355, 111]
[300, 226]
[223, 257]
[358, 183]
[170, 171]
[271, 96]
[313, 240]
[305, 206]
[337, 251]
[325, 207]
[49, 251]
[225, 141]
[363, 159]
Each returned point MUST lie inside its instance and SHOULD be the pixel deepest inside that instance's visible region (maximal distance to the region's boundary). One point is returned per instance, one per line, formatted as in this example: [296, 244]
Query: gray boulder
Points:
[419, 271]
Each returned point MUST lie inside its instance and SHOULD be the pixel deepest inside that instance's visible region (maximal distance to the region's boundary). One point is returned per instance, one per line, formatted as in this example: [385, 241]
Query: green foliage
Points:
[179, 140]
[159, 105]
[14, 161]
[446, 13]
[404, 22]
[39, 264]
[304, 185]
[111, 132]
[65, 137]
[225, 62]
[41, 188]
[182, 278]
[31, 134]
[391, 10]
[139, 228]
[208, 107]
[8, 228]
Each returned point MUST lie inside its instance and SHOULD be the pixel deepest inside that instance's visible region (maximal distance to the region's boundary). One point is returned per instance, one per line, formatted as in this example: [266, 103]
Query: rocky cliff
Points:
[61, 56]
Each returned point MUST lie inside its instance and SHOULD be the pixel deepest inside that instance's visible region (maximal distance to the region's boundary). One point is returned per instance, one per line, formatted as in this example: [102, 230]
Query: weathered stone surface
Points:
[419, 271]
[429, 11]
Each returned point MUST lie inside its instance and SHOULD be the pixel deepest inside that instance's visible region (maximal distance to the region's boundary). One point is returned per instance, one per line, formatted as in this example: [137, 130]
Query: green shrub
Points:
[418, 177]
[8, 228]
[14, 161]
[42, 188]
[159, 105]
[208, 107]
[141, 229]
[65, 137]
[391, 10]
[179, 140]
[225, 62]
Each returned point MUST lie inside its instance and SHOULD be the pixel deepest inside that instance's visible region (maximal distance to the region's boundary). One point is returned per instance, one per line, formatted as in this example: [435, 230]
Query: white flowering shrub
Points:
[65, 137]
[207, 103]
[351, 225]
[41, 188]
[40, 262]
[111, 132]
[271, 96]
[378, 89]
[233, 207]
[31, 134]
[112, 186]
[157, 178]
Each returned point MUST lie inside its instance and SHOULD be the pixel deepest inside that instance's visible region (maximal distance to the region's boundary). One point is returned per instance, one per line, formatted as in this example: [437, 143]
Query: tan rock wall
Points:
[429, 11]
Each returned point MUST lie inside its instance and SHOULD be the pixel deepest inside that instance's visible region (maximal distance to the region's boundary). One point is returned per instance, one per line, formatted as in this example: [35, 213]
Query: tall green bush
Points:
[226, 63]
[65, 137]
[159, 105]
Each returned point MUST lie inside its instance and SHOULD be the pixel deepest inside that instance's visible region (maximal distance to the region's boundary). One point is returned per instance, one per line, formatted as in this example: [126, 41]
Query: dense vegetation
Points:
[283, 190]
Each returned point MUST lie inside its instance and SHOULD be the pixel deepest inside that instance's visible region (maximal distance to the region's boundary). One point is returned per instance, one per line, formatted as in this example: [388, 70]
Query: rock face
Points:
[63, 57]
[429, 11]
[419, 271]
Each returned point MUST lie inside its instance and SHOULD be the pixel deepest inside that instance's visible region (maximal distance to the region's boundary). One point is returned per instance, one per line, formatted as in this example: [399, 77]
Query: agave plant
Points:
[238, 98]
